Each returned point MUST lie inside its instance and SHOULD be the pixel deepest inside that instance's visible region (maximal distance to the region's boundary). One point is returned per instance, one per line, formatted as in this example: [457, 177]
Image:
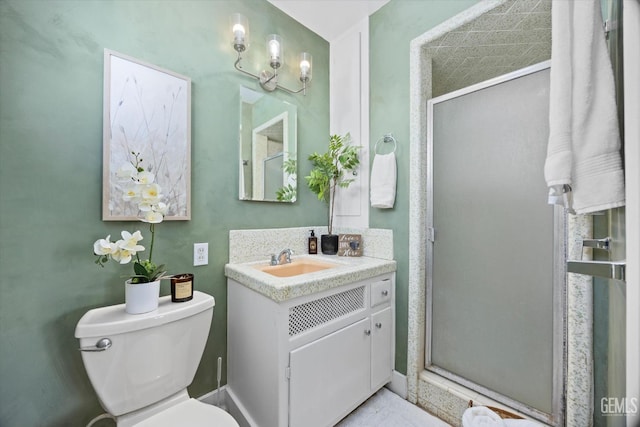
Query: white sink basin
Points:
[296, 267]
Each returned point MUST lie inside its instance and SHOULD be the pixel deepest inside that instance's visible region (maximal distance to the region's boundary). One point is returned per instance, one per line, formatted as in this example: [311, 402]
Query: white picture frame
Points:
[147, 112]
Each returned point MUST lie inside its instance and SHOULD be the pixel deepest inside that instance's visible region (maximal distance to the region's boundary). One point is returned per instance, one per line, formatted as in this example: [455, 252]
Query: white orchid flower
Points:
[142, 190]
[145, 177]
[104, 246]
[130, 241]
[162, 208]
[122, 256]
[131, 193]
[153, 217]
[127, 172]
[145, 206]
[150, 194]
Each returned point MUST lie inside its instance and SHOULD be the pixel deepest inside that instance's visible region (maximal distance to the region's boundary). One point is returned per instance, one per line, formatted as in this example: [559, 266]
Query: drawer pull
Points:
[385, 293]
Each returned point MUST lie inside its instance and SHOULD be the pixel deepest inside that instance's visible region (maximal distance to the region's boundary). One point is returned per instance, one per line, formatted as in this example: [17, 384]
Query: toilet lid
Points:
[192, 413]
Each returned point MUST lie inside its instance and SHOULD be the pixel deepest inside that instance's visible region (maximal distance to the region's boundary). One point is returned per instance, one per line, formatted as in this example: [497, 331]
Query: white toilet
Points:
[140, 365]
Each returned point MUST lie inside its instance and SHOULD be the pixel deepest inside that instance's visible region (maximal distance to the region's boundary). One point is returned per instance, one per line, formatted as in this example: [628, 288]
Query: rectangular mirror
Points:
[268, 146]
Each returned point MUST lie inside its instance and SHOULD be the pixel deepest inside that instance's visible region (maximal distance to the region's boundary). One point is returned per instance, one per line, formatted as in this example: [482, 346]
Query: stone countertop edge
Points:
[281, 289]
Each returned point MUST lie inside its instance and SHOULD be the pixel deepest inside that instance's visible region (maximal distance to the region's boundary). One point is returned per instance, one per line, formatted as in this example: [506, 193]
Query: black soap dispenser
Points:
[313, 243]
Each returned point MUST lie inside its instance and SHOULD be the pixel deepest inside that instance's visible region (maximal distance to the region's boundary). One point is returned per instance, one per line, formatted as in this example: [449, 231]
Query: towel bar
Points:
[386, 139]
[607, 269]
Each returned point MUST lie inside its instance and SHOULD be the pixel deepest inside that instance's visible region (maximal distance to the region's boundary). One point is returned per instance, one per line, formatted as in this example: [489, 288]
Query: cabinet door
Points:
[328, 375]
[381, 348]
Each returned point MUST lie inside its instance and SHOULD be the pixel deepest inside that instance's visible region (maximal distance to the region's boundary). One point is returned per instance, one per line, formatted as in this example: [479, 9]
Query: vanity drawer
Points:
[380, 292]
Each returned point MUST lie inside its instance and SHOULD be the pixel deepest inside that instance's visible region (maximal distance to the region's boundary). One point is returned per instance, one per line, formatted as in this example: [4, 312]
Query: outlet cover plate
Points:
[200, 254]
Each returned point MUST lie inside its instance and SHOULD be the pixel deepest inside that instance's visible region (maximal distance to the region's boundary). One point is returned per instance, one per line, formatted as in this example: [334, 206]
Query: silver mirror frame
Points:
[267, 148]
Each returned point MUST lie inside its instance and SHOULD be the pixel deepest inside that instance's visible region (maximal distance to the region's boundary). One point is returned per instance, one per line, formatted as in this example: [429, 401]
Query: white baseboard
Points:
[229, 403]
[238, 411]
[398, 384]
[211, 398]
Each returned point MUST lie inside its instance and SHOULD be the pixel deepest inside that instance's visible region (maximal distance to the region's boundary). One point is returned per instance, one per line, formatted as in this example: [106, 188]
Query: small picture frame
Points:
[350, 245]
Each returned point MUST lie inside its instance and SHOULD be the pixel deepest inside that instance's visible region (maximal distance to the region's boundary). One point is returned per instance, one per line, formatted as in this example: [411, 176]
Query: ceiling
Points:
[328, 18]
[511, 36]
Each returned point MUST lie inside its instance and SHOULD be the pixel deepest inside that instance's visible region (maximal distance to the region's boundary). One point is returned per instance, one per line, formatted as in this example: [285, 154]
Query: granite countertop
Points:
[348, 270]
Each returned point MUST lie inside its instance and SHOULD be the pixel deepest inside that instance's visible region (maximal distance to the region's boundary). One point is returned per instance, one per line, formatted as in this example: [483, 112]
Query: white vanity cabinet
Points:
[309, 361]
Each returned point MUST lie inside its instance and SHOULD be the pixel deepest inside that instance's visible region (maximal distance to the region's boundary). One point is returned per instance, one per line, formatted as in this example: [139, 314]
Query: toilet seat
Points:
[192, 413]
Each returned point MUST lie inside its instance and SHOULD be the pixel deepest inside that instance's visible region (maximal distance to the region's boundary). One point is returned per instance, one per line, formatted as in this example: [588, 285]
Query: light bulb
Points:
[240, 30]
[238, 33]
[306, 62]
[304, 67]
[274, 50]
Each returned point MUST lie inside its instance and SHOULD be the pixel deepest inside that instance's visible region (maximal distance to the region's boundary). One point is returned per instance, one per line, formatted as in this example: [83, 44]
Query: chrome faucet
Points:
[283, 258]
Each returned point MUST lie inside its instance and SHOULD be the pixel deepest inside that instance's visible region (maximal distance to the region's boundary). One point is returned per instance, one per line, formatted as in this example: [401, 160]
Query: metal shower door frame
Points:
[559, 276]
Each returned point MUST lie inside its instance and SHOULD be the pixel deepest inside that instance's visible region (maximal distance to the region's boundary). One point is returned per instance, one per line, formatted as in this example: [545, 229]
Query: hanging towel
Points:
[478, 416]
[383, 181]
[583, 168]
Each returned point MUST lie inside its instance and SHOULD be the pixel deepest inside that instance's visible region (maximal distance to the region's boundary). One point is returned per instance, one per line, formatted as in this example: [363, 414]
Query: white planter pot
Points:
[141, 297]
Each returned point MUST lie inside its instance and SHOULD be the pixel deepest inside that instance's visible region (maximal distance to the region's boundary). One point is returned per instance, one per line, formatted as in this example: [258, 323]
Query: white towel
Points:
[383, 181]
[478, 416]
[521, 423]
[584, 140]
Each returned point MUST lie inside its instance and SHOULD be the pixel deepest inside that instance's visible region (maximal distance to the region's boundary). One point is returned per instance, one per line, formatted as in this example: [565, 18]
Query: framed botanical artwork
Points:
[146, 126]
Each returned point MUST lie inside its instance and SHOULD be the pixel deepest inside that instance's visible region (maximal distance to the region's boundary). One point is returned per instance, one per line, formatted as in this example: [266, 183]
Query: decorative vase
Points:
[329, 244]
[141, 297]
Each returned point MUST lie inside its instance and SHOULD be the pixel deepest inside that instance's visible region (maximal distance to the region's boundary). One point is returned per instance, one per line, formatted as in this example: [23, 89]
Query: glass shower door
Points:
[495, 286]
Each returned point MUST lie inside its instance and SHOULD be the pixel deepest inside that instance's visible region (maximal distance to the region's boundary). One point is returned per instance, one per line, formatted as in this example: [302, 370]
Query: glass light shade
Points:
[306, 67]
[275, 50]
[240, 29]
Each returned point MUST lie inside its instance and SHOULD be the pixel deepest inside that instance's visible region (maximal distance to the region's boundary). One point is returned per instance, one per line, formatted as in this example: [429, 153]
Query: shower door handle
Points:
[606, 269]
[604, 244]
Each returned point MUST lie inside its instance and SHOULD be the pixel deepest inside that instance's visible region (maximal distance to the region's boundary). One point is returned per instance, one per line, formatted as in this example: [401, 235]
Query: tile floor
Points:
[387, 409]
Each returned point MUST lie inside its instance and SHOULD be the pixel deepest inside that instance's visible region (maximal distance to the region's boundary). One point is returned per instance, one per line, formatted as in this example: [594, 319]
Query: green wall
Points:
[391, 30]
[51, 77]
[51, 83]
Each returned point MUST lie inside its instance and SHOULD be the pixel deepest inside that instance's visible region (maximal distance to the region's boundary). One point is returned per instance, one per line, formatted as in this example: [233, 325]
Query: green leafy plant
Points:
[140, 189]
[330, 170]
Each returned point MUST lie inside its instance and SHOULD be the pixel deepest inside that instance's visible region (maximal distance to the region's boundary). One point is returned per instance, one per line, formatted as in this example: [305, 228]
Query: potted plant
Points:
[330, 171]
[143, 286]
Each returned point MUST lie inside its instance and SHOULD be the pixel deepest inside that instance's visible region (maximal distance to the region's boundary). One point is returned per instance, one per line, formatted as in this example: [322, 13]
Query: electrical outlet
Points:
[200, 254]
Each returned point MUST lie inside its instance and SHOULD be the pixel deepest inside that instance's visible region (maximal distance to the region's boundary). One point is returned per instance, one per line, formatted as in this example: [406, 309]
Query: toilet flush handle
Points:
[101, 345]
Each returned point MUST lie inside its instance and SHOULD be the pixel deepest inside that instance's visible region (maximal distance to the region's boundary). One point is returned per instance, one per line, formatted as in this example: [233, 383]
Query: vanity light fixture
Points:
[268, 79]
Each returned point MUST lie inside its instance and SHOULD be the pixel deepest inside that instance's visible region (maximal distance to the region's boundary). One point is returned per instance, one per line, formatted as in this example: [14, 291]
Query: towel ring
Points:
[386, 139]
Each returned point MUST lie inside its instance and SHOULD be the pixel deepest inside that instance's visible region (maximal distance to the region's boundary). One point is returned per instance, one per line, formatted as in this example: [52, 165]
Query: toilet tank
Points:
[152, 356]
